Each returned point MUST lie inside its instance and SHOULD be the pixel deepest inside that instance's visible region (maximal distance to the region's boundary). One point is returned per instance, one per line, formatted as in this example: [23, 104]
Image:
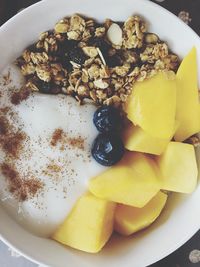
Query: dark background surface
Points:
[189, 11]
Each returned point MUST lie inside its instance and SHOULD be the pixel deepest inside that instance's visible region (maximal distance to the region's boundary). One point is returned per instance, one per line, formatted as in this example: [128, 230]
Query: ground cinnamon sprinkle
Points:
[6, 79]
[13, 143]
[10, 140]
[76, 142]
[57, 136]
[5, 110]
[4, 125]
[20, 187]
[54, 168]
[21, 95]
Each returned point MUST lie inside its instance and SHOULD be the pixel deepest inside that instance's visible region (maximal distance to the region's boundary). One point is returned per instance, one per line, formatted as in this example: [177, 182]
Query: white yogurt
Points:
[41, 115]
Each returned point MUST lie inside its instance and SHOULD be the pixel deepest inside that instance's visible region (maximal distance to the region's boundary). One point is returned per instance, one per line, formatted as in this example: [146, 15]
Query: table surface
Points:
[189, 254]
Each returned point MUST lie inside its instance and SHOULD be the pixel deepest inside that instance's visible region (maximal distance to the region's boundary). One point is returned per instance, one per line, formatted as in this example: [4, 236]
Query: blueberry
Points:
[66, 64]
[107, 119]
[48, 88]
[44, 87]
[101, 44]
[107, 149]
[113, 61]
[34, 49]
[77, 55]
[65, 46]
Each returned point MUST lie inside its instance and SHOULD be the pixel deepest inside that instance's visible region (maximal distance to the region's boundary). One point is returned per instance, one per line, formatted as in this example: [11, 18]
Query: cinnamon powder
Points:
[59, 136]
[21, 95]
[76, 142]
[10, 141]
[20, 187]
[4, 125]
[56, 136]
[13, 143]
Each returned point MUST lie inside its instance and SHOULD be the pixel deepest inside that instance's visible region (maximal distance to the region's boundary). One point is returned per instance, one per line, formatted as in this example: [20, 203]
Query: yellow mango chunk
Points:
[89, 225]
[152, 105]
[136, 139]
[129, 220]
[188, 111]
[133, 181]
[178, 168]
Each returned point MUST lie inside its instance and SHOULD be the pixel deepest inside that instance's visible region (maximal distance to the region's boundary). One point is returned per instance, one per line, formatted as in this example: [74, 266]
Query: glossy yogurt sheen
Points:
[40, 115]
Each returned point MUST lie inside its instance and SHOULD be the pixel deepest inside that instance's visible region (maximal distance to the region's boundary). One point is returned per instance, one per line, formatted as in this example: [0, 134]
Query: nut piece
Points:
[43, 72]
[73, 35]
[83, 91]
[122, 70]
[28, 69]
[114, 100]
[114, 34]
[151, 38]
[130, 56]
[100, 31]
[133, 32]
[39, 58]
[27, 56]
[94, 71]
[154, 52]
[90, 51]
[61, 27]
[101, 84]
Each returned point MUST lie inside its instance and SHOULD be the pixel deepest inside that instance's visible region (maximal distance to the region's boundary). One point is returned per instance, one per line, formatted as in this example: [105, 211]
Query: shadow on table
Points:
[180, 258]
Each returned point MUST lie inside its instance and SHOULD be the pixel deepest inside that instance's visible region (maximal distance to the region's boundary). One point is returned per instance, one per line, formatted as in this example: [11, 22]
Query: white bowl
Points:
[181, 218]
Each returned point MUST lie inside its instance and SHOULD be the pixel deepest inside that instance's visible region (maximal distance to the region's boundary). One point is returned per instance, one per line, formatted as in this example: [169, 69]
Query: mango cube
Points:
[136, 139]
[133, 181]
[178, 168]
[188, 108]
[89, 225]
[129, 220]
[152, 105]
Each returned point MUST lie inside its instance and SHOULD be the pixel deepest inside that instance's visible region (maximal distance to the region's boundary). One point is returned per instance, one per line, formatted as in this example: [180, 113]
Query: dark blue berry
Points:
[113, 61]
[62, 53]
[34, 49]
[102, 45]
[107, 119]
[44, 87]
[48, 87]
[66, 64]
[65, 46]
[77, 55]
[107, 149]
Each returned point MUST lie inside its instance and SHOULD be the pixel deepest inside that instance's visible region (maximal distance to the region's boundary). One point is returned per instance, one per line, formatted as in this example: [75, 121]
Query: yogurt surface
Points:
[64, 169]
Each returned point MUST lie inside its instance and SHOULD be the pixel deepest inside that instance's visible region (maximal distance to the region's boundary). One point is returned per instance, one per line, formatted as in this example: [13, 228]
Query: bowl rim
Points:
[191, 232]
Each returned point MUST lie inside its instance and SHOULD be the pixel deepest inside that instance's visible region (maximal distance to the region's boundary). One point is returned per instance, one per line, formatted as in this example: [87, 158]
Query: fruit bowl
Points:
[181, 218]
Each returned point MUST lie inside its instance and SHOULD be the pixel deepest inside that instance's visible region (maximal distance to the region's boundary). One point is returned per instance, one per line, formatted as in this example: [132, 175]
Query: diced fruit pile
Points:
[163, 111]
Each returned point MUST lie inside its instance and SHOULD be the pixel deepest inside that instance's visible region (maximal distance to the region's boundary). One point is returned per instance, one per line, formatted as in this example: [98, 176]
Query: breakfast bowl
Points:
[180, 219]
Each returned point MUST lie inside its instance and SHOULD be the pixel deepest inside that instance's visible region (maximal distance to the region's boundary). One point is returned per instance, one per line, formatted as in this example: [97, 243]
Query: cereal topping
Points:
[88, 60]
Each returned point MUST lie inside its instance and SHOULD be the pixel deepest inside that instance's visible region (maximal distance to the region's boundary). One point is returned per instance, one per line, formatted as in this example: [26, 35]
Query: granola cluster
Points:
[94, 61]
